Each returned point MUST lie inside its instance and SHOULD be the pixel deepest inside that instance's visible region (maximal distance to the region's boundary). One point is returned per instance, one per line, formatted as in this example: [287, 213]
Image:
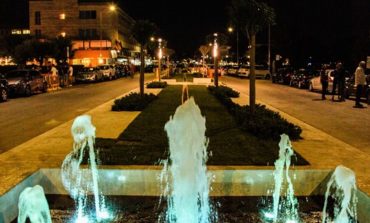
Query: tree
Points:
[60, 46]
[142, 31]
[204, 50]
[23, 52]
[251, 16]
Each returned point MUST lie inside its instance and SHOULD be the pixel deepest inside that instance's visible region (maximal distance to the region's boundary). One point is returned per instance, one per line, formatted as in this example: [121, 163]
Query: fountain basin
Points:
[144, 181]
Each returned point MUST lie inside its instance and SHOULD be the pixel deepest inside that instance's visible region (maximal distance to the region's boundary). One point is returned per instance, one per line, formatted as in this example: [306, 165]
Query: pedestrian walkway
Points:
[324, 151]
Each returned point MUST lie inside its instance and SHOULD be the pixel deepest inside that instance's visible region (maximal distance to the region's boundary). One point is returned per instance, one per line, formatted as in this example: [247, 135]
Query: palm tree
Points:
[142, 31]
[251, 16]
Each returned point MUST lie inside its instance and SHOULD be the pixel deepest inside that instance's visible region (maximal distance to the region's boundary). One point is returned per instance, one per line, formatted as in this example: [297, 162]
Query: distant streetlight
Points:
[112, 8]
[231, 30]
[152, 39]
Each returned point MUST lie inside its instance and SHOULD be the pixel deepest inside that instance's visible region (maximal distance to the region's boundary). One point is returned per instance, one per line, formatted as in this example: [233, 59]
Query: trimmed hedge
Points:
[157, 84]
[198, 75]
[133, 102]
[263, 123]
[229, 92]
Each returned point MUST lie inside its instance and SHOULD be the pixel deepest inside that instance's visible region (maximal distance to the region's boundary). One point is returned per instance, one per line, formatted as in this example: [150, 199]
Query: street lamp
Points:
[215, 56]
[111, 8]
[231, 30]
[160, 55]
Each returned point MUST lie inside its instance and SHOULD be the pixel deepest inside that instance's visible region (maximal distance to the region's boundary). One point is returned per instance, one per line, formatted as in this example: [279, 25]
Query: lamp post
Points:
[112, 8]
[215, 56]
[160, 55]
[231, 29]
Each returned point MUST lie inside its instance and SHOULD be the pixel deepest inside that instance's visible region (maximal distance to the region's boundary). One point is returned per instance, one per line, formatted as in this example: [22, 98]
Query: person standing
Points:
[70, 75]
[338, 82]
[324, 82]
[360, 80]
[341, 82]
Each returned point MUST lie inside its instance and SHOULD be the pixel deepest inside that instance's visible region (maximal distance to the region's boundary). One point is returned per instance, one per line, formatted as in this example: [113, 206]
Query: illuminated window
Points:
[16, 32]
[26, 31]
[62, 16]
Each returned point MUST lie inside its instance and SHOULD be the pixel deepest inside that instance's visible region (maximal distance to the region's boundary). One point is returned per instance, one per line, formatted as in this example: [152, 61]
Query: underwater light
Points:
[82, 219]
[269, 215]
[104, 214]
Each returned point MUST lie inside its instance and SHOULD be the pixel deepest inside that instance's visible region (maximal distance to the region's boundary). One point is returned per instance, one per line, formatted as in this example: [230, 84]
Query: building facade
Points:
[91, 24]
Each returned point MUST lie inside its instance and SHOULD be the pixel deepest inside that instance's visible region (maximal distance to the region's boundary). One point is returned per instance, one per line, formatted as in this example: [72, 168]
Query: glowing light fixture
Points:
[112, 8]
[62, 16]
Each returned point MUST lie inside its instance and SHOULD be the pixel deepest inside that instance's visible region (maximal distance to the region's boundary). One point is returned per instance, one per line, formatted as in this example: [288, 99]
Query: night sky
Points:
[323, 29]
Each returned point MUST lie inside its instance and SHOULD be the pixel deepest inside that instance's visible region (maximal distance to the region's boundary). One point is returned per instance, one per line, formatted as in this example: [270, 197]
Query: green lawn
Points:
[144, 142]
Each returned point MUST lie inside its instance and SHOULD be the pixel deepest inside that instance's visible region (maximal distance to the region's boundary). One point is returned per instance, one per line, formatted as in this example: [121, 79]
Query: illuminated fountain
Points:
[290, 205]
[343, 181]
[33, 205]
[187, 189]
[77, 181]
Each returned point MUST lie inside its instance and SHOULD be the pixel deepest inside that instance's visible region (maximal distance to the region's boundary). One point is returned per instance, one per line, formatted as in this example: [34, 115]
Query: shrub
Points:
[224, 91]
[133, 102]
[198, 75]
[157, 84]
[263, 123]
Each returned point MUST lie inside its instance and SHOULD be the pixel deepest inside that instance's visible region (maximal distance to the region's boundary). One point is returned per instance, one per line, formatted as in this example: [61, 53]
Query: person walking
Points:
[324, 80]
[360, 80]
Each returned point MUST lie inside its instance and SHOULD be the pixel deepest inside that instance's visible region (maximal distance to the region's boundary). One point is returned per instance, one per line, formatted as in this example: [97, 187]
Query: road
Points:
[338, 119]
[22, 119]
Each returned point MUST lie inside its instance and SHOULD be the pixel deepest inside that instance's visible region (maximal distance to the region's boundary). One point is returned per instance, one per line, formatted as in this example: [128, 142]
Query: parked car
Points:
[3, 88]
[108, 71]
[261, 72]
[243, 71]
[315, 83]
[301, 78]
[122, 70]
[89, 74]
[350, 89]
[149, 69]
[26, 82]
[211, 71]
[233, 71]
[282, 76]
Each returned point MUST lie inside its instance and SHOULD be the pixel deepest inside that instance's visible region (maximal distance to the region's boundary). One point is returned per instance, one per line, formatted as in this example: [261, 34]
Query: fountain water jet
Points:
[77, 181]
[290, 205]
[187, 188]
[343, 181]
[33, 205]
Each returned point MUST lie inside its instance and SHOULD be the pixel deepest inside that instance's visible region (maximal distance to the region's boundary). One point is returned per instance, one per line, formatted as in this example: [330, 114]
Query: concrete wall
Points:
[145, 182]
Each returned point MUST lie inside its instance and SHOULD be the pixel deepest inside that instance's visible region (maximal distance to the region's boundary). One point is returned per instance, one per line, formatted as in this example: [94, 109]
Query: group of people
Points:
[340, 75]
